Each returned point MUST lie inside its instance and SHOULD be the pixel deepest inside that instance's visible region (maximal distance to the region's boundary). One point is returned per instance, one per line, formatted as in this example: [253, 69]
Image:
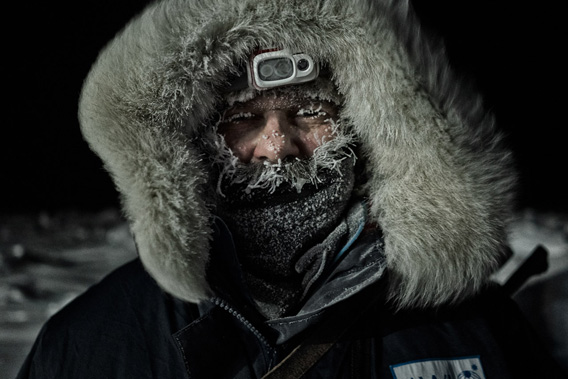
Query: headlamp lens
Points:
[276, 69]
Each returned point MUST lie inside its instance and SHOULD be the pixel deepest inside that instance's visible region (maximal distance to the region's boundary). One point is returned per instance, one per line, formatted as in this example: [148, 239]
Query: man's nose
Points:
[277, 139]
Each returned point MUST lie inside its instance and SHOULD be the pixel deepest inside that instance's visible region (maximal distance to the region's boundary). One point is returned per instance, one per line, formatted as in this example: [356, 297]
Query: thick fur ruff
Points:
[439, 179]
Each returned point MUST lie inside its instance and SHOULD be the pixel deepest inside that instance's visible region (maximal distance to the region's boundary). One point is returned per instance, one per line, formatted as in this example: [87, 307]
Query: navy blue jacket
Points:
[127, 327]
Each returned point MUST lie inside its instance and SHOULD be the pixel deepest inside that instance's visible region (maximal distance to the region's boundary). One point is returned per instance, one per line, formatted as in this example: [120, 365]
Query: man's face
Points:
[273, 127]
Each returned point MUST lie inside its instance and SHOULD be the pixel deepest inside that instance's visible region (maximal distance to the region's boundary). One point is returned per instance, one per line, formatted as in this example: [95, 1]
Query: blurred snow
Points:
[46, 260]
[544, 298]
[529, 230]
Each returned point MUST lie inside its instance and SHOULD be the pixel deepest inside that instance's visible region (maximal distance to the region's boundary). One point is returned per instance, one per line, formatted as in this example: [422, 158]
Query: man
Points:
[286, 180]
[311, 194]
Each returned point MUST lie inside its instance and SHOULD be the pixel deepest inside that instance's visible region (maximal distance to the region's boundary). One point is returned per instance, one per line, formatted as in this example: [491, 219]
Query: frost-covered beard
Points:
[277, 211]
[255, 181]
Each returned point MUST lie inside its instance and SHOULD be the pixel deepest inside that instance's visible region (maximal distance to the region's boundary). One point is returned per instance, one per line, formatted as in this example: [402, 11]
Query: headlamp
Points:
[274, 68]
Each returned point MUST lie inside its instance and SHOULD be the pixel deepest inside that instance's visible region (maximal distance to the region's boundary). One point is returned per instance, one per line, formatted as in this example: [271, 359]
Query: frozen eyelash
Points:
[311, 112]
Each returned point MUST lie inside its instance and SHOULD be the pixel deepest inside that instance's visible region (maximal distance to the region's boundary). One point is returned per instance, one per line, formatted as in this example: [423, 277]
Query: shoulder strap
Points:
[299, 361]
[308, 352]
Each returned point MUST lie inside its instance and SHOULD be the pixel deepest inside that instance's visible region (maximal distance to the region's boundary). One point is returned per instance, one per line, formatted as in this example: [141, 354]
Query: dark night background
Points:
[510, 49]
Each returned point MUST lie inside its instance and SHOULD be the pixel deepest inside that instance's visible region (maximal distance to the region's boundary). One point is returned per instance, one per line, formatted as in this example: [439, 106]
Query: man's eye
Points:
[311, 112]
[239, 117]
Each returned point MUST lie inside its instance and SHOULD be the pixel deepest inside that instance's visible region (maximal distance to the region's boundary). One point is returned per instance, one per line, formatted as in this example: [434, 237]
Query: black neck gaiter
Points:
[273, 230]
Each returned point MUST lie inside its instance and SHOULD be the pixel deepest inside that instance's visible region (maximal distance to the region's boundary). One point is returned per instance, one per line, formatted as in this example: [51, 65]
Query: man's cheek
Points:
[239, 146]
[317, 137]
[241, 151]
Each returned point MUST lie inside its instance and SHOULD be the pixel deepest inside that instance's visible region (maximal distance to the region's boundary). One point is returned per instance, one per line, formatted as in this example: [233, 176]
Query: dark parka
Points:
[439, 186]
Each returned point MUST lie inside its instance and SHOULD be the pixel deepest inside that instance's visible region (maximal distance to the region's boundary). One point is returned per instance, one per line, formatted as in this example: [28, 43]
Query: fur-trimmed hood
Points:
[439, 179]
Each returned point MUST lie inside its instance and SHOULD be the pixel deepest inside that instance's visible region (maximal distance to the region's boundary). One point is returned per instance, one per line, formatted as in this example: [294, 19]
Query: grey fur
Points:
[440, 180]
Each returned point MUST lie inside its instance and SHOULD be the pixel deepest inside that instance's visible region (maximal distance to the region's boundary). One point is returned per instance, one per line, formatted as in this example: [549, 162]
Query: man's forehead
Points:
[291, 98]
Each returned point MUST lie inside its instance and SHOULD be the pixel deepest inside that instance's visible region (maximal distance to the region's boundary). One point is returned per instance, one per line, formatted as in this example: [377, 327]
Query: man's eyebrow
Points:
[236, 108]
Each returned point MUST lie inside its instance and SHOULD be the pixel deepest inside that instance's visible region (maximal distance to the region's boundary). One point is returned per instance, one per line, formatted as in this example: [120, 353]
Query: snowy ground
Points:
[46, 260]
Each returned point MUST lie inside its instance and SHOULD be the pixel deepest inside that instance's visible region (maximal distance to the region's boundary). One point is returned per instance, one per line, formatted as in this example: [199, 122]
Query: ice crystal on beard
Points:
[297, 172]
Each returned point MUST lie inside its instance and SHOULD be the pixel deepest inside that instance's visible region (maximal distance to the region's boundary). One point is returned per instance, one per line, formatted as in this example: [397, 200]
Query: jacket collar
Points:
[347, 261]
